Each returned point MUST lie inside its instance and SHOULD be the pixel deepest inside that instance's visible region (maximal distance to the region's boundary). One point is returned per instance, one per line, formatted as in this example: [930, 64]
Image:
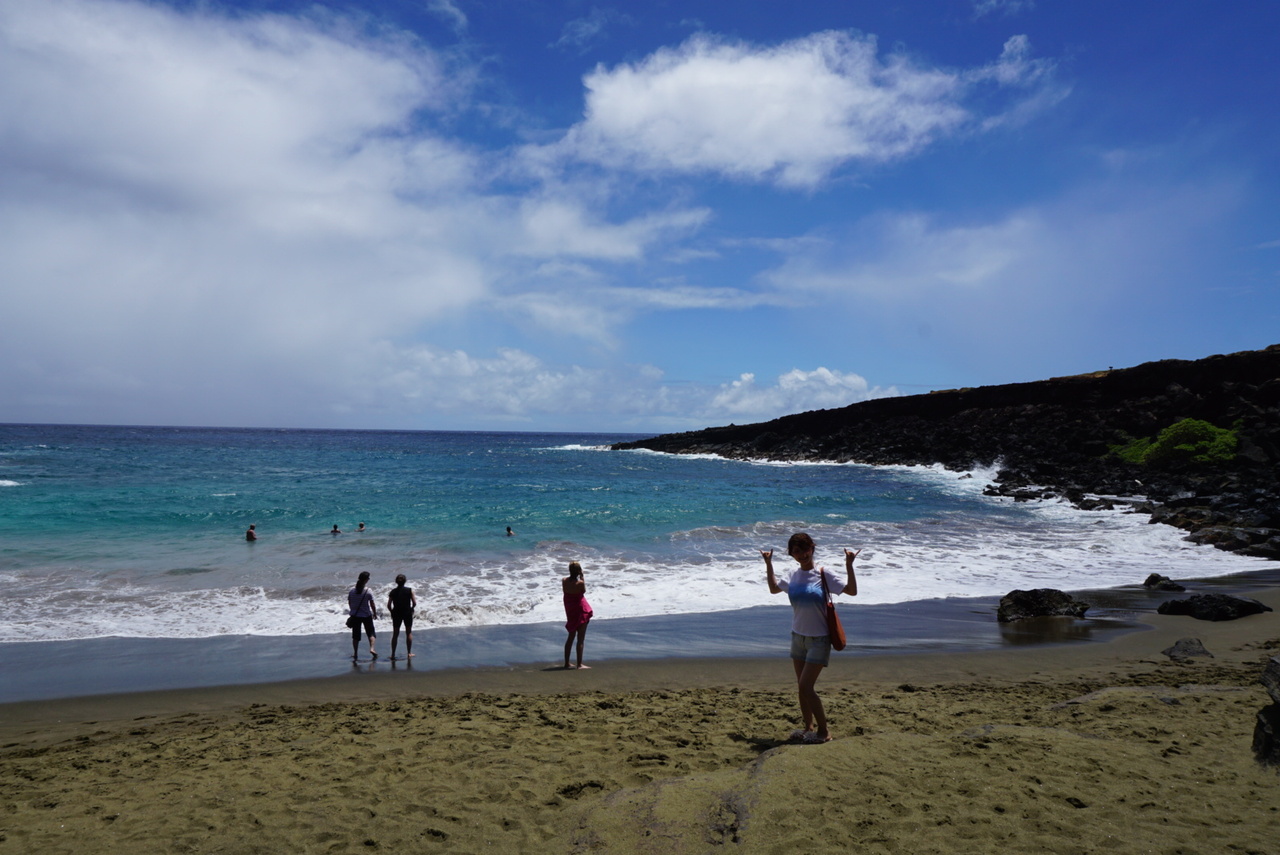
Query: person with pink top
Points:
[577, 611]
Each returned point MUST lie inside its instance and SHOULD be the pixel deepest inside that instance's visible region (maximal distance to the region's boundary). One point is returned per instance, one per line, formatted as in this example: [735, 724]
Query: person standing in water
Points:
[577, 611]
[401, 602]
[810, 642]
[251, 535]
[364, 610]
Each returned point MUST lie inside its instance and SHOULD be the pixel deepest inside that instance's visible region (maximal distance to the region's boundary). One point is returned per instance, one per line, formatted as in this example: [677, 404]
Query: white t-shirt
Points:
[808, 603]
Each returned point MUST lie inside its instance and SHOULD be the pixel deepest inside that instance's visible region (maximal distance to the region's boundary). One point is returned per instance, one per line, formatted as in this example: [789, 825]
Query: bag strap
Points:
[822, 574]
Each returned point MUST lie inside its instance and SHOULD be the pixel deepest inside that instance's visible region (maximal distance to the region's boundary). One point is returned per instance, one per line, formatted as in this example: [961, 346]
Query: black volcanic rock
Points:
[1039, 602]
[1185, 649]
[1215, 607]
[1052, 438]
[1266, 732]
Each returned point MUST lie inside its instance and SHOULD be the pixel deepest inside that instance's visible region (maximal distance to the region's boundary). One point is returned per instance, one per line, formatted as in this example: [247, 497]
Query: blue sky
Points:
[524, 215]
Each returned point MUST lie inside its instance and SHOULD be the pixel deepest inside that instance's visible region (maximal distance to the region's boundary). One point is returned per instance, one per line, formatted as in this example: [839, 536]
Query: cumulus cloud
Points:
[141, 103]
[789, 114]
[252, 206]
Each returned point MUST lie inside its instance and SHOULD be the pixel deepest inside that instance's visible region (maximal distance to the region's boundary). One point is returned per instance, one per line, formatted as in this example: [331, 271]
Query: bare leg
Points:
[568, 648]
[408, 643]
[372, 653]
[582, 637]
[810, 704]
[805, 713]
[395, 639]
[355, 644]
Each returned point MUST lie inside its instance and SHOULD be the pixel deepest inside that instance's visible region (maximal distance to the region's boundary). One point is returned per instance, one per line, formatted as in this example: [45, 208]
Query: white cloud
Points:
[581, 33]
[790, 114]
[564, 226]
[594, 311]
[184, 190]
[514, 384]
[230, 217]
[1015, 67]
[1005, 7]
[449, 12]
[146, 104]
[795, 391]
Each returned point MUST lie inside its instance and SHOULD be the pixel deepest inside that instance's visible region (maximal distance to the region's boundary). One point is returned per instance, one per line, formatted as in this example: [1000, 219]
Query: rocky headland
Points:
[1193, 443]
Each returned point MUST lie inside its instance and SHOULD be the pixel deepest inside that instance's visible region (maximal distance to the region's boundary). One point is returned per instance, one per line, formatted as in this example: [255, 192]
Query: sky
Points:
[619, 217]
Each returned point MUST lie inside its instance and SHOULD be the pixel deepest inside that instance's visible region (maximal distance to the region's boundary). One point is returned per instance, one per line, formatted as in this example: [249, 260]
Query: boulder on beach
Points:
[1039, 602]
[1185, 649]
[1266, 731]
[1213, 607]
[1271, 678]
[1156, 582]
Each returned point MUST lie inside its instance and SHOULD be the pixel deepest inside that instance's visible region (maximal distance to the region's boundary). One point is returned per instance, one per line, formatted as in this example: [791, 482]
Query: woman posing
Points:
[810, 643]
[577, 611]
[363, 609]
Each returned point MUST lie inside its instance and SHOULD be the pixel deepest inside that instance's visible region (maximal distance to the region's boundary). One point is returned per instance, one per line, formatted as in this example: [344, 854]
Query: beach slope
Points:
[1086, 747]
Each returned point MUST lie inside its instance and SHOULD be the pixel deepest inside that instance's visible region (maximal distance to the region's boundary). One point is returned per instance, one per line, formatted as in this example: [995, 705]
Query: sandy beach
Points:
[1085, 747]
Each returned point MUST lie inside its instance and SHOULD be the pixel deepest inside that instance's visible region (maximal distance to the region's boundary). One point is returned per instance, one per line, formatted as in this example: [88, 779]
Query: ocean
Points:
[138, 532]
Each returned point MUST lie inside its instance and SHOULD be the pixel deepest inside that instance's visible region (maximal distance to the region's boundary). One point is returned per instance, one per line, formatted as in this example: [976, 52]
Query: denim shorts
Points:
[811, 648]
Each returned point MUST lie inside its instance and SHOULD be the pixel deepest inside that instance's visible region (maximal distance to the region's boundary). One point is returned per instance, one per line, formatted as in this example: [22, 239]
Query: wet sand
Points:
[1084, 747]
[100, 666]
[43, 670]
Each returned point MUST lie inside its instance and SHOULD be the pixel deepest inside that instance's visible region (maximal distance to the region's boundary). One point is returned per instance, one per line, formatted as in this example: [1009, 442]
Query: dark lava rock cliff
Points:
[1054, 438]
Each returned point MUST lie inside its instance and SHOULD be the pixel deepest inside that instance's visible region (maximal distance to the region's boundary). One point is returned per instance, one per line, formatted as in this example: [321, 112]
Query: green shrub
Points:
[1190, 439]
[1133, 451]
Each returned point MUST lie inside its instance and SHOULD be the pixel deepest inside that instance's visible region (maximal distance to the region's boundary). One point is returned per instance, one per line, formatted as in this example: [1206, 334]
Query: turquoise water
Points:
[140, 531]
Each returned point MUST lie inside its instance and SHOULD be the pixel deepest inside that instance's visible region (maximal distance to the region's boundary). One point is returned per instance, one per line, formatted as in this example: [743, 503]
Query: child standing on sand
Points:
[810, 643]
[577, 611]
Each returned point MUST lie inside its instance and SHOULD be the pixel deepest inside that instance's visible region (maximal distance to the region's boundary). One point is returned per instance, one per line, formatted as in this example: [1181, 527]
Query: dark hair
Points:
[575, 569]
[361, 580]
[798, 540]
[400, 580]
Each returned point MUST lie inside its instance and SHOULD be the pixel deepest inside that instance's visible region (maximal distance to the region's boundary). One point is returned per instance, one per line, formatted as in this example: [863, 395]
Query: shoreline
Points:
[120, 667]
[1133, 648]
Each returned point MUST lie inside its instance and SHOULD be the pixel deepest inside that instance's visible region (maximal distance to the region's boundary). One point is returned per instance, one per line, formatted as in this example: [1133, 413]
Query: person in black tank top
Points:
[401, 602]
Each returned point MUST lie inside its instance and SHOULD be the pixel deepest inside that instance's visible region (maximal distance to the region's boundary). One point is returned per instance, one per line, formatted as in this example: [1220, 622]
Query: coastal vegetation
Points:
[1193, 440]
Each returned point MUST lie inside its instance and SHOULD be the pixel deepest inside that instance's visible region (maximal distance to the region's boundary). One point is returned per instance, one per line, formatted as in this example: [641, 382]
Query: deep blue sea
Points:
[139, 531]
